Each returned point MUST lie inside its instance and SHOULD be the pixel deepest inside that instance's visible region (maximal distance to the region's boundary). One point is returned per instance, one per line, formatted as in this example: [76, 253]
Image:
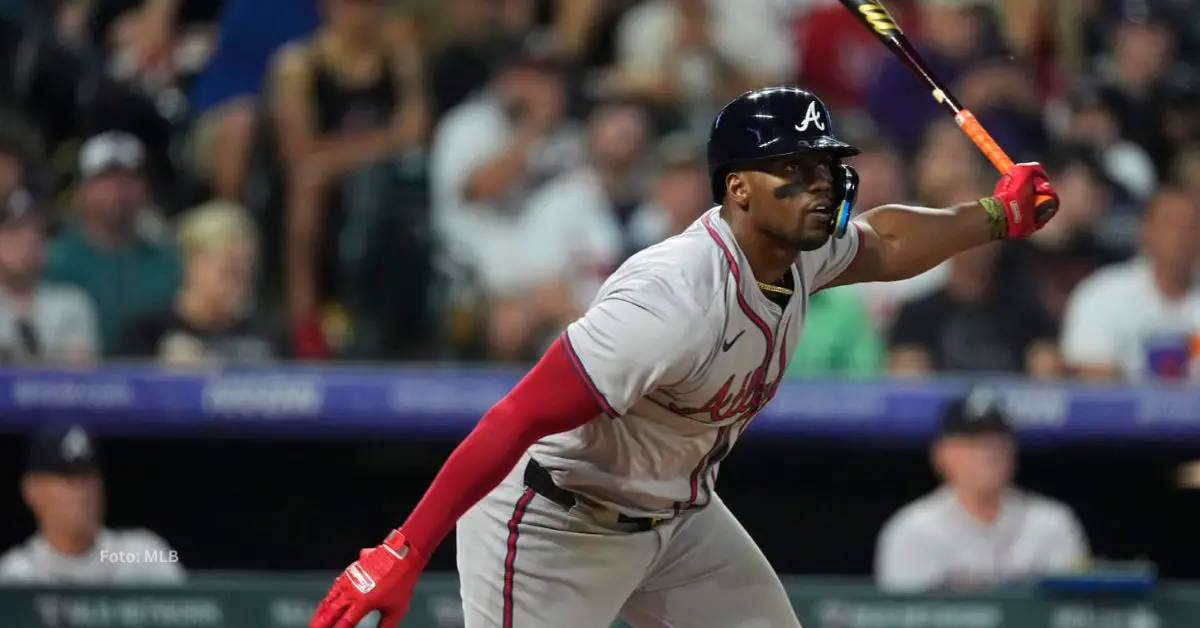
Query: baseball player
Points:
[64, 490]
[978, 528]
[587, 493]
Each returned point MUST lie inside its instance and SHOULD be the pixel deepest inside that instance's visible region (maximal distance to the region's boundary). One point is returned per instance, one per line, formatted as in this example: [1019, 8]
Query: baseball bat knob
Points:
[1046, 208]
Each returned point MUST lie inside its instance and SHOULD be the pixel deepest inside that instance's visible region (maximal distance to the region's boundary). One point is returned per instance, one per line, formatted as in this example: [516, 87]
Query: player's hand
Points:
[1023, 201]
[381, 579]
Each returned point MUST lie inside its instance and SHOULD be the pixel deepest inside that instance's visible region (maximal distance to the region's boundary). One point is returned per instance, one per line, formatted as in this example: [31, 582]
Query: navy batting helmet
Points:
[776, 122]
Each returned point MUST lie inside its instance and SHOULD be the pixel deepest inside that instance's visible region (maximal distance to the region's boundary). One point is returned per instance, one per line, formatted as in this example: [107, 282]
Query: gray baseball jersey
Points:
[932, 542]
[117, 557]
[681, 349]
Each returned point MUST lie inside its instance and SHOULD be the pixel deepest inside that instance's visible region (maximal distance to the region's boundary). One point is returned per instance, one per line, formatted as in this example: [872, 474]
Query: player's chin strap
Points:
[848, 177]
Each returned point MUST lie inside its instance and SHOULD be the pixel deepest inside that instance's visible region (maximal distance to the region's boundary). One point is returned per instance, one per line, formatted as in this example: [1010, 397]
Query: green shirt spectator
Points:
[838, 338]
[101, 251]
[123, 282]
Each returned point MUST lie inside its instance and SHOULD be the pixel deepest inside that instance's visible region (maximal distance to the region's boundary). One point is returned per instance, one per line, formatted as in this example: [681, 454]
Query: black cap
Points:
[63, 450]
[977, 412]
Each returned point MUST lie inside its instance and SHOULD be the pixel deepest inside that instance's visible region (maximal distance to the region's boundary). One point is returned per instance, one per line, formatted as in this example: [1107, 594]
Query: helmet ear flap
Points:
[716, 181]
[845, 181]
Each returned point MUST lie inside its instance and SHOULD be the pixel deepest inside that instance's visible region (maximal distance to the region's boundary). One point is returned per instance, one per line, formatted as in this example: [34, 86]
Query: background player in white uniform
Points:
[590, 486]
[977, 529]
[63, 488]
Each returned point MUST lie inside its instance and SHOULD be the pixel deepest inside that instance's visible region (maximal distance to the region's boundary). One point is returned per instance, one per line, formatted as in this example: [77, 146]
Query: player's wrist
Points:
[399, 546]
[997, 218]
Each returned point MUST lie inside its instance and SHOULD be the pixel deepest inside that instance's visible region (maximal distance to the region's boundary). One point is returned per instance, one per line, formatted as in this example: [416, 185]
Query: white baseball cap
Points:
[112, 150]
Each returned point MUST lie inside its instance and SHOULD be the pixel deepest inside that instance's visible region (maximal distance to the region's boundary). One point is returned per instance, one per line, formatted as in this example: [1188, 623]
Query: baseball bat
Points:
[873, 15]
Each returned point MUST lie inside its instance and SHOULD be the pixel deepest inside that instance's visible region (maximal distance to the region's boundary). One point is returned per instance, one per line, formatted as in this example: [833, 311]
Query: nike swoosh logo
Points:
[726, 346]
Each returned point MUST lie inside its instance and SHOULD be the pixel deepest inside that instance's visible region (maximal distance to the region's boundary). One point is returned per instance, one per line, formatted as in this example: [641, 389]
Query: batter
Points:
[587, 493]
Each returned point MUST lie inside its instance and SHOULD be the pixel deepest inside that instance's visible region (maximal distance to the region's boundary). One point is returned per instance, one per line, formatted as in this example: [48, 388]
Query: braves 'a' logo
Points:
[812, 116]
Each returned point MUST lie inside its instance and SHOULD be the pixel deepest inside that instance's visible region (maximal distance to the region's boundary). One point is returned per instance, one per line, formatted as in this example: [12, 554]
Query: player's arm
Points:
[632, 341]
[637, 338]
[897, 242]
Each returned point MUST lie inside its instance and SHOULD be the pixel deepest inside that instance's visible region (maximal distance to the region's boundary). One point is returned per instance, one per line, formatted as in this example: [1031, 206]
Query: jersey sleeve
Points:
[641, 334]
[824, 265]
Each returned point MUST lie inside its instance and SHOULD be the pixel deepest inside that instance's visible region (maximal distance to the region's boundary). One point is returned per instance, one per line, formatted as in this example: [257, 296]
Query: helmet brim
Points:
[830, 145]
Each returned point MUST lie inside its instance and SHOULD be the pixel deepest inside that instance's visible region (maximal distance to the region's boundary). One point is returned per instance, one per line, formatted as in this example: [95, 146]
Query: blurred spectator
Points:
[946, 162]
[1033, 31]
[101, 249]
[1068, 249]
[1186, 171]
[574, 227]
[461, 62]
[37, 17]
[984, 320]
[224, 98]
[157, 43]
[1093, 123]
[365, 242]
[838, 58]
[947, 171]
[1139, 78]
[1140, 318]
[211, 319]
[882, 176]
[839, 339]
[67, 93]
[977, 529]
[347, 100]
[694, 55]
[39, 322]
[574, 23]
[489, 155]
[678, 197]
[956, 43]
[20, 155]
[64, 490]
[470, 32]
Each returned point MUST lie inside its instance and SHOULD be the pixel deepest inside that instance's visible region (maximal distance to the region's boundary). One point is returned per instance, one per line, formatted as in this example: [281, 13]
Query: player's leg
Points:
[526, 562]
[710, 573]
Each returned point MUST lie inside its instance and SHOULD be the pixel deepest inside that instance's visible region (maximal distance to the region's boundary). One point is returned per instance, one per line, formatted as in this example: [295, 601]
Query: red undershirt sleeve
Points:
[551, 398]
[647, 331]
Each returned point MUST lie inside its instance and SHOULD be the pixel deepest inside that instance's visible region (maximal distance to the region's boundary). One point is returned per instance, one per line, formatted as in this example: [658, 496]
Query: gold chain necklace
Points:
[773, 288]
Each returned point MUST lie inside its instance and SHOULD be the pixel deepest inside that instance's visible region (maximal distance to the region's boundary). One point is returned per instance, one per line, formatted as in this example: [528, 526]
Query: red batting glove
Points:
[1024, 202]
[381, 579]
[308, 339]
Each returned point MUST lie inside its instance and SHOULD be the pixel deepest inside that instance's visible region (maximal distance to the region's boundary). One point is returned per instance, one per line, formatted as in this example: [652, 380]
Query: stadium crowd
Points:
[249, 180]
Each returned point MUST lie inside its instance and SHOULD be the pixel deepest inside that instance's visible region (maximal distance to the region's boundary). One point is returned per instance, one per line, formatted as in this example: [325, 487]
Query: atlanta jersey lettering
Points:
[681, 349]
